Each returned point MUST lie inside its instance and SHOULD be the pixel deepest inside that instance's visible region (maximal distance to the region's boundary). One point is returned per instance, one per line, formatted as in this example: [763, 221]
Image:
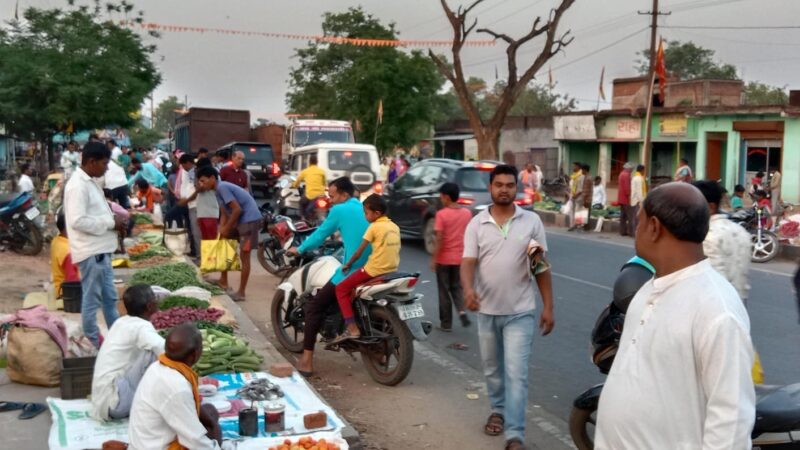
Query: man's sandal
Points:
[514, 444]
[495, 425]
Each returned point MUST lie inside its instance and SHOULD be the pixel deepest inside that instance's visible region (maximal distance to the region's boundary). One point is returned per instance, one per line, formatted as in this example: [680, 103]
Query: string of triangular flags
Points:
[151, 26]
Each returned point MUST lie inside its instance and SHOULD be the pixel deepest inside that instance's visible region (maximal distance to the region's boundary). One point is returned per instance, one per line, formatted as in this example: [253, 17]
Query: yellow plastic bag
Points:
[758, 371]
[119, 263]
[219, 255]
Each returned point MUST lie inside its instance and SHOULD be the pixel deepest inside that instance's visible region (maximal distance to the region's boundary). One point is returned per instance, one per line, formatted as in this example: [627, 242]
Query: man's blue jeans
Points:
[97, 283]
[506, 343]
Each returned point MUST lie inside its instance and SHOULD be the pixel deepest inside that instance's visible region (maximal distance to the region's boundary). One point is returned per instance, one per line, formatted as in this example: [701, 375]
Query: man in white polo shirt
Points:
[496, 277]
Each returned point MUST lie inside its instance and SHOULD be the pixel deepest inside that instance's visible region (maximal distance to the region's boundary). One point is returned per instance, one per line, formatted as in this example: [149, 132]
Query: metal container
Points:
[274, 417]
[248, 422]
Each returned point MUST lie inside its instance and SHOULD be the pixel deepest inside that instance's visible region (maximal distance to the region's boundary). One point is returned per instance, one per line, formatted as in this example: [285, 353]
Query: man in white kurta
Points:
[681, 378]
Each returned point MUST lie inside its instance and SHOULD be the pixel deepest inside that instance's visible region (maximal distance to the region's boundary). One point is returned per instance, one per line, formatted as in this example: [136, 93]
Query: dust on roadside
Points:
[20, 275]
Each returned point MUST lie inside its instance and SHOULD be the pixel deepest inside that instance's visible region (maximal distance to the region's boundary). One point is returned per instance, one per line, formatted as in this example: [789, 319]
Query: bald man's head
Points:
[184, 344]
[682, 210]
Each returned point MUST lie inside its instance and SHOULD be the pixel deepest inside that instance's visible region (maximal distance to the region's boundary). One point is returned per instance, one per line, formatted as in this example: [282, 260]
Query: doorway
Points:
[716, 144]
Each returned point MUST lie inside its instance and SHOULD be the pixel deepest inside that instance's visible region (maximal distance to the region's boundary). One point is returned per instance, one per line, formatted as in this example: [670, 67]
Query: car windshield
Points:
[255, 154]
[475, 180]
[347, 159]
[316, 135]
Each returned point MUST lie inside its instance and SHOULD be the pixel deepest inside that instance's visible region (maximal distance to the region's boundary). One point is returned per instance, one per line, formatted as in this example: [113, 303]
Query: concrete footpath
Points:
[33, 434]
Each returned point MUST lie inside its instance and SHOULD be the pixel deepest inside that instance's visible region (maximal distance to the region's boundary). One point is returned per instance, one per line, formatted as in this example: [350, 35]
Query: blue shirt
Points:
[348, 219]
[228, 192]
[151, 174]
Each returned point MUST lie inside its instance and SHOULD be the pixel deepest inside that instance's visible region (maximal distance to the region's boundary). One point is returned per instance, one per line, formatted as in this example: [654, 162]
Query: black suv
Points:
[259, 161]
[414, 197]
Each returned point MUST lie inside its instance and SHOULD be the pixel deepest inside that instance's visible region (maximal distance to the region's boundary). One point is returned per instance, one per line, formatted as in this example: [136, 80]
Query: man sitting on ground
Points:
[166, 410]
[131, 346]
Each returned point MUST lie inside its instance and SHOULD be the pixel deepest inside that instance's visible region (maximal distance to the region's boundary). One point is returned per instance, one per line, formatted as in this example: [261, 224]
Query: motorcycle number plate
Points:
[32, 213]
[410, 311]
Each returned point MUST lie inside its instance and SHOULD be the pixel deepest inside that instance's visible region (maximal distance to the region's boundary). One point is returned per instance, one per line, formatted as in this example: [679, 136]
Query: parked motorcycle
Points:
[766, 244]
[282, 233]
[387, 311]
[18, 232]
[777, 425]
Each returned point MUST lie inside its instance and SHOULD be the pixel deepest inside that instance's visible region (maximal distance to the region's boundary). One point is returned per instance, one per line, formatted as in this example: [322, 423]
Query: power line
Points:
[605, 47]
[732, 27]
[513, 13]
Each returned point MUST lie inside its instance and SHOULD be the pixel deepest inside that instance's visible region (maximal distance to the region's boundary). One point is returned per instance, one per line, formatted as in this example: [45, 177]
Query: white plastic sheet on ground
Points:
[265, 443]
[74, 429]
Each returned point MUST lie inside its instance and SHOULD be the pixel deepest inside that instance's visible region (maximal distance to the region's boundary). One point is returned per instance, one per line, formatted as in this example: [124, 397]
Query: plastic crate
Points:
[76, 377]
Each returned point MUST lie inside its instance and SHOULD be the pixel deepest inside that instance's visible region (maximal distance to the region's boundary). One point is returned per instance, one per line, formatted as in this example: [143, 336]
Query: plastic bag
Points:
[194, 292]
[177, 240]
[567, 208]
[758, 371]
[158, 217]
[219, 255]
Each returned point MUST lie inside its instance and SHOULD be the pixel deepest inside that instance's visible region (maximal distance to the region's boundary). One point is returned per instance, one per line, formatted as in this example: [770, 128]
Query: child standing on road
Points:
[450, 223]
[384, 237]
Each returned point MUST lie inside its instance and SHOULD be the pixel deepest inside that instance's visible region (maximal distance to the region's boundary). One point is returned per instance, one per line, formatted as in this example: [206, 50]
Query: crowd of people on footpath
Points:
[655, 397]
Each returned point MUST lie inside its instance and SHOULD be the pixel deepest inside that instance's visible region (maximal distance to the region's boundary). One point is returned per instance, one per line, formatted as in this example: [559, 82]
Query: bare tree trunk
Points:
[487, 144]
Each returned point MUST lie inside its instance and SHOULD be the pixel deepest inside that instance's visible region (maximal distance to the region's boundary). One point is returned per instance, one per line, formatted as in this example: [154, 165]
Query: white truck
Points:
[305, 132]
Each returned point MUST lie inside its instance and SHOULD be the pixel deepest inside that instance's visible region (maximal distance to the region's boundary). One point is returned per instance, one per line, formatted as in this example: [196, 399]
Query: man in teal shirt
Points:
[149, 172]
[346, 217]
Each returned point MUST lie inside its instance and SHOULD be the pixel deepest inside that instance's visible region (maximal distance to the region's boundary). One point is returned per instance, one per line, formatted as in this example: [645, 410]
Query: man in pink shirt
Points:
[451, 223]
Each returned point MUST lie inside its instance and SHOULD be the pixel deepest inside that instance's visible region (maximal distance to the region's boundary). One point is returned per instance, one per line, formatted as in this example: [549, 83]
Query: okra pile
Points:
[223, 352]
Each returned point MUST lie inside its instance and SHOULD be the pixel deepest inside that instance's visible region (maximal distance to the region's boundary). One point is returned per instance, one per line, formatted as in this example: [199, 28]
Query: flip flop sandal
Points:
[11, 406]
[495, 425]
[515, 444]
[31, 410]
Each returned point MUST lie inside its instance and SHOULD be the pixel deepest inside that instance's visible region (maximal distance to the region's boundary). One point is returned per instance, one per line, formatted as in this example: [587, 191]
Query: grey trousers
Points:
[127, 384]
[194, 227]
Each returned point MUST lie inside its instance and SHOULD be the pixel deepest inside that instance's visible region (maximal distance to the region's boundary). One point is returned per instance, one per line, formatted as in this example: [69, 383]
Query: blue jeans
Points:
[506, 343]
[97, 283]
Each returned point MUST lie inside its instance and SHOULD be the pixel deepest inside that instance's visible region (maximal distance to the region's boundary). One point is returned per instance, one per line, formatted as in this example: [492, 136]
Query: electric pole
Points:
[651, 76]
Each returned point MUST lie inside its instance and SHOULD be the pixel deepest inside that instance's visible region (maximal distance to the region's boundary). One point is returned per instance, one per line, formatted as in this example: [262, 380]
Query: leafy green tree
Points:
[347, 82]
[166, 112]
[688, 61]
[72, 67]
[142, 136]
[756, 93]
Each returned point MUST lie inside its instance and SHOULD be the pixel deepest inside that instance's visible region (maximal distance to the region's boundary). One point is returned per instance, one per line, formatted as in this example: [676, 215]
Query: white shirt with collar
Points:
[116, 152]
[682, 376]
[637, 189]
[163, 409]
[25, 184]
[127, 339]
[187, 188]
[728, 248]
[90, 222]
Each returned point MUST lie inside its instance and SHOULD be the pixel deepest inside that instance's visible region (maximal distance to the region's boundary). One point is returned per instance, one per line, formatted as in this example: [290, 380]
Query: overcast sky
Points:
[241, 72]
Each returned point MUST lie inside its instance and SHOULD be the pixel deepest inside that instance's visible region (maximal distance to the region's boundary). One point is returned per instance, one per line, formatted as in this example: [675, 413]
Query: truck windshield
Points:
[321, 135]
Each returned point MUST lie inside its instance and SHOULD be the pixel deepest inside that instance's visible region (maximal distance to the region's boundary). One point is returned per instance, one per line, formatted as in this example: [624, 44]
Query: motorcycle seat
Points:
[373, 285]
[8, 198]
[778, 410]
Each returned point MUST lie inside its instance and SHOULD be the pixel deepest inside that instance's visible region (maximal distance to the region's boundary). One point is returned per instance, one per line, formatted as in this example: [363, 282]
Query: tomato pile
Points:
[306, 443]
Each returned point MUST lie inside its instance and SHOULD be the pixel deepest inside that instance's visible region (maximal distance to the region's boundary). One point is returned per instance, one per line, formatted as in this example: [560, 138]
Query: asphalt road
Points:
[584, 268]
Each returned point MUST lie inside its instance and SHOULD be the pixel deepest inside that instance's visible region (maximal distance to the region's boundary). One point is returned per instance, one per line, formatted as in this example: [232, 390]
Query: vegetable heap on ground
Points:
[180, 314]
[306, 443]
[223, 352]
[141, 219]
[172, 277]
[177, 300]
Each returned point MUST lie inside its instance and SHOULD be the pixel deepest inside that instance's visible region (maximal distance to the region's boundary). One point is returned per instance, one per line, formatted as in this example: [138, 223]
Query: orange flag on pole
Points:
[380, 111]
[661, 71]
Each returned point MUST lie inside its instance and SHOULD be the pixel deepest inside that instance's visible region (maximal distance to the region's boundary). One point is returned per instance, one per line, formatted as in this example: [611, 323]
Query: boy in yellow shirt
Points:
[384, 236]
[60, 261]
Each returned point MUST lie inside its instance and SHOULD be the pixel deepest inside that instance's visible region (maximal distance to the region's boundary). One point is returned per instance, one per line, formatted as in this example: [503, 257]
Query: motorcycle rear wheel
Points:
[29, 240]
[268, 258]
[580, 421]
[377, 358]
[766, 248]
[289, 332]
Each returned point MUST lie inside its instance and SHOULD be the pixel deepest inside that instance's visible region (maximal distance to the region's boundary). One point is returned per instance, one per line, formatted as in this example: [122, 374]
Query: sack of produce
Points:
[33, 357]
[177, 240]
[219, 255]
[193, 291]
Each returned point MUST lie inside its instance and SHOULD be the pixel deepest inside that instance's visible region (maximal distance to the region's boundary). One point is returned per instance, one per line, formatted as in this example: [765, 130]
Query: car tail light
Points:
[466, 201]
[412, 282]
[276, 169]
[377, 187]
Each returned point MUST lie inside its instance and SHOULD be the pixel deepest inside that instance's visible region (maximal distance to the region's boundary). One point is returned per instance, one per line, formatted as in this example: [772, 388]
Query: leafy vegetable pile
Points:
[180, 314]
[172, 277]
[177, 300]
[141, 219]
[223, 352]
[207, 325]
[150, 252]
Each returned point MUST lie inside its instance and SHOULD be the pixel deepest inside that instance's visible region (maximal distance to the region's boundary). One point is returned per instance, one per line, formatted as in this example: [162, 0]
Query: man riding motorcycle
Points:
[314, 177]
[347, 217]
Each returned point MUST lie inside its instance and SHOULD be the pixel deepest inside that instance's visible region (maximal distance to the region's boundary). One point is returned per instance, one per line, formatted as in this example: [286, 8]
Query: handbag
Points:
[219, 255]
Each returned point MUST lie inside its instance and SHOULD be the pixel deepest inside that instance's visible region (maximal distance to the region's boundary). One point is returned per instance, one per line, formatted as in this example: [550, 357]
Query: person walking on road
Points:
[626, 220]
[347, 218]
[576, 193]
[450, 224]
[92, 229]
[638, 192]
[775, 195]
[682, 374]
[586, 194]
[496, 278]
[235, 172]
[684, 172]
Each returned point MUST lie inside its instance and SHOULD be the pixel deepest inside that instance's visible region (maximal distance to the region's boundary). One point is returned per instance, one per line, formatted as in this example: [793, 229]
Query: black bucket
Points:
[72, 293]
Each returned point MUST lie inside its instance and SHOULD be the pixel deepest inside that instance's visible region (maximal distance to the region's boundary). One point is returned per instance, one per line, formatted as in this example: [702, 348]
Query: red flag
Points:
[602, 77]
[661, 71]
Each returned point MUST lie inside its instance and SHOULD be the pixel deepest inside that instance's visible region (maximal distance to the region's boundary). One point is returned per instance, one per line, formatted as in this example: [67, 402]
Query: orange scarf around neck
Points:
[191, 377]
